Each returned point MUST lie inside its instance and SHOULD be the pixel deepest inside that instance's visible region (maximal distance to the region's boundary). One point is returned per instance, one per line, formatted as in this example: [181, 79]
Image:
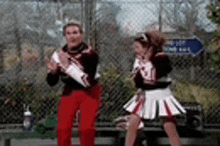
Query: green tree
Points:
[214, 15]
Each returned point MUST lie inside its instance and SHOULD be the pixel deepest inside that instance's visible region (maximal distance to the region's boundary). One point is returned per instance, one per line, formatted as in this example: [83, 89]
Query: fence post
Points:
[1, 58]
[18, 44]
[88, 20]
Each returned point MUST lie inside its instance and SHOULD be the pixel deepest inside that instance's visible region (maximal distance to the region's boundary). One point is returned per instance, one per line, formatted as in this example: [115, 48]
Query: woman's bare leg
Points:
[170, 129]
[132, 130]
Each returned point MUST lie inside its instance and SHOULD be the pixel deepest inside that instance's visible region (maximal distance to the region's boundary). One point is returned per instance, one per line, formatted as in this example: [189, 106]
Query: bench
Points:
[101, 139]
[112, 136]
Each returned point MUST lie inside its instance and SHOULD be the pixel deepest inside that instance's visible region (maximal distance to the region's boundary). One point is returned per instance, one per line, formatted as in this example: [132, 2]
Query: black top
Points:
[88, 60]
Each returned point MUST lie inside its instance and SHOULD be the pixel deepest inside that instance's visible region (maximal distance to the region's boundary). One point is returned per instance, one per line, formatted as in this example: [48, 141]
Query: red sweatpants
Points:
[85, 101]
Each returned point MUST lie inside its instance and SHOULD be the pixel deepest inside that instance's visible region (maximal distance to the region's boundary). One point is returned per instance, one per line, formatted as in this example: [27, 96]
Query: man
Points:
[76, 65]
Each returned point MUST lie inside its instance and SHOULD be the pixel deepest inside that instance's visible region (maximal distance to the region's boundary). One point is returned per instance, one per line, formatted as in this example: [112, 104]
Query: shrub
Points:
[189, 91]
[118, 87]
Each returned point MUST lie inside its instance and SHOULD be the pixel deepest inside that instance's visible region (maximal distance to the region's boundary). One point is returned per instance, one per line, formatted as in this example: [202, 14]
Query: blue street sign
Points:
[184, 46]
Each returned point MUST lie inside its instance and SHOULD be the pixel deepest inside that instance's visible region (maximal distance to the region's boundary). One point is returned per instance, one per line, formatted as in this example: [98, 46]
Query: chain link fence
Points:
[31, 31]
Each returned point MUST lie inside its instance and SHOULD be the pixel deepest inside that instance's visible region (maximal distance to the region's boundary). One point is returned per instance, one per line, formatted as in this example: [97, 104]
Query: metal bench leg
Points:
[7, 142]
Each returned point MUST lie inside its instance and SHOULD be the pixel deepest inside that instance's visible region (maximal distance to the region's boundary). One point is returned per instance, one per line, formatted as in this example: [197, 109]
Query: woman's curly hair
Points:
[153, 38]
[157, 39]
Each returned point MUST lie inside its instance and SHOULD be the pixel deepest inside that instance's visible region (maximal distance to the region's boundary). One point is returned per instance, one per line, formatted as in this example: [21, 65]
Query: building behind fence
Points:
[31, 31]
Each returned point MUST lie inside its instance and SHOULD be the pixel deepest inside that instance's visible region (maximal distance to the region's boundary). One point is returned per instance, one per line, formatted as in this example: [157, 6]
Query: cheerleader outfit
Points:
[156, 99]
[78, 72]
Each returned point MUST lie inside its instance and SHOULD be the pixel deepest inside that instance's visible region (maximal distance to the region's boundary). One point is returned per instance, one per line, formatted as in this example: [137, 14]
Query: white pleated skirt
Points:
[156, 103]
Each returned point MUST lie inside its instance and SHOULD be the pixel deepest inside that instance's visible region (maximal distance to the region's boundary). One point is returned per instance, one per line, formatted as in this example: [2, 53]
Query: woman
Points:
[154, 98]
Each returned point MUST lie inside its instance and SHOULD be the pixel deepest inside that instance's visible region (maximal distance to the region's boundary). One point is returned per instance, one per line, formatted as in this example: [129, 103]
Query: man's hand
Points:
[53, 67]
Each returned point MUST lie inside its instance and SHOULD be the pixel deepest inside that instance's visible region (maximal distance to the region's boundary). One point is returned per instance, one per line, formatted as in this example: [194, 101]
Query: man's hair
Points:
[77, 24]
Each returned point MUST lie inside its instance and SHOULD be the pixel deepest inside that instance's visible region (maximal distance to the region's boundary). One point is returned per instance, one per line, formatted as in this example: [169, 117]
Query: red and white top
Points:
[151, 74]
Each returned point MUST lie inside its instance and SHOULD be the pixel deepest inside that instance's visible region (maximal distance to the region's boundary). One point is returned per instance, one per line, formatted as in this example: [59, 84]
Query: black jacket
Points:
[88, 60]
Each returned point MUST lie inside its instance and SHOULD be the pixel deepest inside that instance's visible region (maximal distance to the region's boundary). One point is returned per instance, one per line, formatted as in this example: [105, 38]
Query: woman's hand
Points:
[140, 95]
